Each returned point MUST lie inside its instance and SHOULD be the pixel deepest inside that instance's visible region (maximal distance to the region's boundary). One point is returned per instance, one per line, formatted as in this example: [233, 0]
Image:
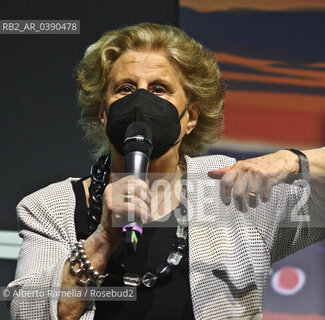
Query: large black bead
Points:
[164, 271]
[96, 192]
[96, 173]
[179, 244]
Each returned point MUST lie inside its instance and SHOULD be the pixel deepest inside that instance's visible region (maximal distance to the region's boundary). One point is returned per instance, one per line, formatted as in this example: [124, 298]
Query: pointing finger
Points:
[219, 173]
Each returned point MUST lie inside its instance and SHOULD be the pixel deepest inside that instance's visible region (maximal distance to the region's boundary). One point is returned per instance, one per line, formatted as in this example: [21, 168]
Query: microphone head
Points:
[138, 137]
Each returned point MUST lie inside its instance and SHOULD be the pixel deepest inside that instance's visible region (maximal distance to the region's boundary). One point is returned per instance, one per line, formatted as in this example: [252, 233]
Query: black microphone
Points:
[137, 151]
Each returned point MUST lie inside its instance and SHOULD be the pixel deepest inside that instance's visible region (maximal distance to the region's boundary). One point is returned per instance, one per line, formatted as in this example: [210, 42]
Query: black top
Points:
[170, 300]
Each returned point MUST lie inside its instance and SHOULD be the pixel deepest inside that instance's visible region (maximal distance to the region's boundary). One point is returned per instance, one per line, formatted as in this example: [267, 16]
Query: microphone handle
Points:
[136, 163]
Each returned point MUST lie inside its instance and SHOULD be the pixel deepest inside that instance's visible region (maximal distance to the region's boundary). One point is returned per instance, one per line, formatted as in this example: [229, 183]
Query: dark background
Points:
[40, 140]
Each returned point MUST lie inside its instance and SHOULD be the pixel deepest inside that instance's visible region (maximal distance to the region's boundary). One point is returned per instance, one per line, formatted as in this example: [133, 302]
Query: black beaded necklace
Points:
[99, 173]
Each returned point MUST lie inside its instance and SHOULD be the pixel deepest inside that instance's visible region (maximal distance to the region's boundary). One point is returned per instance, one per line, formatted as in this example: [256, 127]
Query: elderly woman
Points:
[236, 218]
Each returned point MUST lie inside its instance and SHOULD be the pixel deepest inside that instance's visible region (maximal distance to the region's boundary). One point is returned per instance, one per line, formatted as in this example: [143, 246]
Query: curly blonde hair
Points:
[199, 74]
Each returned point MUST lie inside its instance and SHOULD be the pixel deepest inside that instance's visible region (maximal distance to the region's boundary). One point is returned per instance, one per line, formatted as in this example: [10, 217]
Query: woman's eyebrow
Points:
[161, 81]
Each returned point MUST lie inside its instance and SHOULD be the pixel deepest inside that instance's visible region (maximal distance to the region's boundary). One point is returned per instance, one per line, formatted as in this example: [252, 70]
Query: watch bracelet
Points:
[304, 171]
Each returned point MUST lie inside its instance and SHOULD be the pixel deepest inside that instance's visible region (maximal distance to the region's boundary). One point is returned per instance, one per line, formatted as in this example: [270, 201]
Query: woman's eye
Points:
[158, 90]
[125, 89]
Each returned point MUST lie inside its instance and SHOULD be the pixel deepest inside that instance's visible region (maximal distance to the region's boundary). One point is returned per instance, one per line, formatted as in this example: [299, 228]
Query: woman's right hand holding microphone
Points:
[127, 197]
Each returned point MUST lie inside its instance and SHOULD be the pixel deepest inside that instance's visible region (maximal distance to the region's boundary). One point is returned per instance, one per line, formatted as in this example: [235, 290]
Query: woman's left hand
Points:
[254, 178]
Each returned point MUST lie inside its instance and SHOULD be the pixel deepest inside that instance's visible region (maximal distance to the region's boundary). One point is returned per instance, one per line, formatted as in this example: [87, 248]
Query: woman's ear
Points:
[101, 113]
[193, 116]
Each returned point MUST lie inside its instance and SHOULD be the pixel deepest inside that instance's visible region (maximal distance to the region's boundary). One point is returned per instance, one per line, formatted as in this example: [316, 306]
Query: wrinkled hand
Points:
[254, 178]
[116, 209]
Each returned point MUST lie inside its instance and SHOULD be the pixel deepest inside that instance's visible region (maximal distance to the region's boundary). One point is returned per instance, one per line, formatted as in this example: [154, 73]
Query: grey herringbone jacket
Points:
[230, 252]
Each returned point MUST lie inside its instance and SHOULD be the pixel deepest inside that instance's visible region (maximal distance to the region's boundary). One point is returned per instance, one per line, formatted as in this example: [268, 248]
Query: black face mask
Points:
[144, 106]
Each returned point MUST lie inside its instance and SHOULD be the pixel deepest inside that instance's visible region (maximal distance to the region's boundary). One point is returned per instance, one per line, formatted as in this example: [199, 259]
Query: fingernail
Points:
[265, 198]
[252, 202]
[238, 205]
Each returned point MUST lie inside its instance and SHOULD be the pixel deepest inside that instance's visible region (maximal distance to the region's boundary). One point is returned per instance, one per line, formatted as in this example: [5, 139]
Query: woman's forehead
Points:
[148, 64]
